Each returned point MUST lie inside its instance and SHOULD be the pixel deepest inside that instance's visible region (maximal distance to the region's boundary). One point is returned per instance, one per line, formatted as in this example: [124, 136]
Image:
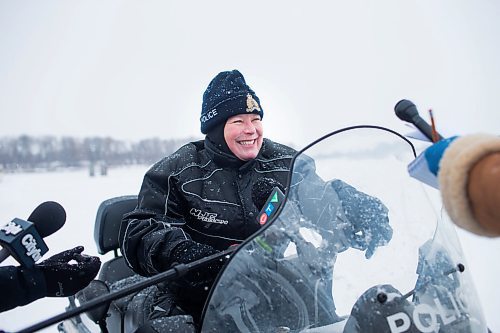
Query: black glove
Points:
[189, 251]
[63, 278]
[368, 216]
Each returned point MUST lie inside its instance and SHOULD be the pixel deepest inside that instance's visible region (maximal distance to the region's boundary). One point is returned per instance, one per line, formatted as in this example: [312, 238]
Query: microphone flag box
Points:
[23, 242]
[273, 202]
[419, 169]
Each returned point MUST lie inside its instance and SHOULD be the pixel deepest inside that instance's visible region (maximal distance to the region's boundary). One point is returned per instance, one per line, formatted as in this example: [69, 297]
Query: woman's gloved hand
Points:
[368, 217]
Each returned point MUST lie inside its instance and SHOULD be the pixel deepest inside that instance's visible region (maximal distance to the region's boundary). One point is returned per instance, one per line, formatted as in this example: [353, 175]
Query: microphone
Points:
[407, 111]
[267, 193]
[381, 308]
[24, 239]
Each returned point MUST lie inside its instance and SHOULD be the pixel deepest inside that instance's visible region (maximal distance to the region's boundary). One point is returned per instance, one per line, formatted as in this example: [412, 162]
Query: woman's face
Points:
[243, 135]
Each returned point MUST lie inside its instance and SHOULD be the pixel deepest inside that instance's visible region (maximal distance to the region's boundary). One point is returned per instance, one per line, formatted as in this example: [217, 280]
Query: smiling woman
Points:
[200, 200]
[236, 129]
[243, 135]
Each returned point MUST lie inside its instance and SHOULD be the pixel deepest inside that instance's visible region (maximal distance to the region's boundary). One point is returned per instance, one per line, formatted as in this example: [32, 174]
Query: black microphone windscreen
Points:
[261, 190]
[48, 217]
[406, 110]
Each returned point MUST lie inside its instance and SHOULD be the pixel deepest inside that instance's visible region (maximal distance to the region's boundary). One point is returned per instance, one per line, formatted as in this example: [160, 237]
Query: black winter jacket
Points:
[197, 193]
[20, 286]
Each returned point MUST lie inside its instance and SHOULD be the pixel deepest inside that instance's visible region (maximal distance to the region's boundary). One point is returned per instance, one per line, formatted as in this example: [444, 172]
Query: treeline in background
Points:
[29, 153]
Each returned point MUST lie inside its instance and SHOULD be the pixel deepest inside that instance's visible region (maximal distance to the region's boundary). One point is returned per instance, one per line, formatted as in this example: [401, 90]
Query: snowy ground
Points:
[80, 195]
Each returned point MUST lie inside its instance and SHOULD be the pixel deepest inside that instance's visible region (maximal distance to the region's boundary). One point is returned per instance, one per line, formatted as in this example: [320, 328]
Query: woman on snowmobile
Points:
[198, 201]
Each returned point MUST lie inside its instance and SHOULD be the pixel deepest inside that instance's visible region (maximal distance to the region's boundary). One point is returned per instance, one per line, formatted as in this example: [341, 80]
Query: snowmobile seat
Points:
[106, 230]
[114, 271]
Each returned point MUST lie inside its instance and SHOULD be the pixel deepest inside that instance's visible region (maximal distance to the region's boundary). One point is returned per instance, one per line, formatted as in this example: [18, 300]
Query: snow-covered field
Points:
[80, 195]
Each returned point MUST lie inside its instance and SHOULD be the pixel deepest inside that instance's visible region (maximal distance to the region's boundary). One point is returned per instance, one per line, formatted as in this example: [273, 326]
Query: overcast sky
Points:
[138, 69]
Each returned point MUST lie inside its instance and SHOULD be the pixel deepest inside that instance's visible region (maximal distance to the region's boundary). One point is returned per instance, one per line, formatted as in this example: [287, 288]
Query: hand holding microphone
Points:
[61, 275]
[62, 278]
[54, 277]
[24, 239]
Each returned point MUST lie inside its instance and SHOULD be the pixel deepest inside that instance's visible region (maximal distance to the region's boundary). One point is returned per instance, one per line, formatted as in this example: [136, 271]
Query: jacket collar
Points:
[224, 159]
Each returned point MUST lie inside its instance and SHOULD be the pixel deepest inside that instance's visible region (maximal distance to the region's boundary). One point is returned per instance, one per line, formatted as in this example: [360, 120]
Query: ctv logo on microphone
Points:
[29, 243]
[21, 239]
[11, 228]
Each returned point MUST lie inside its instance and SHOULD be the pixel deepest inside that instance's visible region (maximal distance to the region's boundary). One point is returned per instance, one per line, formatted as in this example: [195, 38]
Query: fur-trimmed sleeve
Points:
[453, 177]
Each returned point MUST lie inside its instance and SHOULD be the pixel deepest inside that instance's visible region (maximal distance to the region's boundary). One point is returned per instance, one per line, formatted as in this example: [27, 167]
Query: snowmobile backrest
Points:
[108, 220]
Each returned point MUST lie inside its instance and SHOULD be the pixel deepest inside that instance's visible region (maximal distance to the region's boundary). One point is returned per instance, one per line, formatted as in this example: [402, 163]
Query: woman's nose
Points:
[249, 127]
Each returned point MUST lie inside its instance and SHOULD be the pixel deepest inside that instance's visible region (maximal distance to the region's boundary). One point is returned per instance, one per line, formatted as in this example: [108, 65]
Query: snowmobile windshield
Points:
[357, 246]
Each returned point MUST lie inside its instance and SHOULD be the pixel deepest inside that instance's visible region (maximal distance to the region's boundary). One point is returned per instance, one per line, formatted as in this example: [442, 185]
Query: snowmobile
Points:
[304, 273]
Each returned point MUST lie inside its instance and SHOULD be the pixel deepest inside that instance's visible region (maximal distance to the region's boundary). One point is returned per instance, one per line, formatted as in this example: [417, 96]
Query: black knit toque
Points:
[227, 95]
